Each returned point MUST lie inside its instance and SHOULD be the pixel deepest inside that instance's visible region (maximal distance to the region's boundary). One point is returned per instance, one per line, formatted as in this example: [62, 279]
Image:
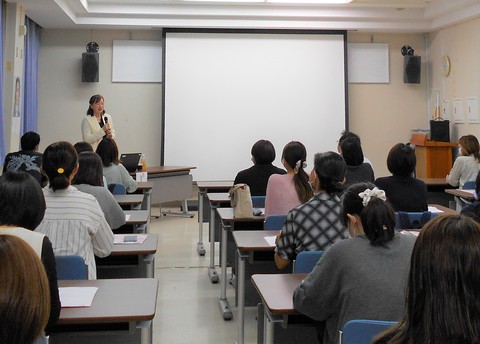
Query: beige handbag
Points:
[241, 201]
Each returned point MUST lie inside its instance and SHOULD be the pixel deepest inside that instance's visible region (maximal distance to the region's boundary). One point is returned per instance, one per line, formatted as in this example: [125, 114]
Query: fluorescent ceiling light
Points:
[319, 2]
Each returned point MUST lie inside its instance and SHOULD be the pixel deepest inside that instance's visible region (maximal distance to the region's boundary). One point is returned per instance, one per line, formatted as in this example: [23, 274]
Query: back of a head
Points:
[401, 160]
[90, 169]
[24, 306]
[352, 151]
[376, 214]
[294, 154]
[470, 145]
[330, 168]
[263, 152]
[83, 146]
[22, 202]
[59, 162]
[443, 297]
[108, 151]
[348, 134]
[29, 141]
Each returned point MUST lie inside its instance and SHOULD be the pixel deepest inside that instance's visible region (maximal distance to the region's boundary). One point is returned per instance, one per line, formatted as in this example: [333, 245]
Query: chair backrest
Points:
[117, 189]
[470, 185]
[363, 331]
[274, 222]
[258, 201]
[306, 261]
[412, 220]
[71, 268]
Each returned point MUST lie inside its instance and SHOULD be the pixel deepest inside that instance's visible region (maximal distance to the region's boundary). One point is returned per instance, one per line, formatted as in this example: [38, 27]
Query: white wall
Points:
[63, 98]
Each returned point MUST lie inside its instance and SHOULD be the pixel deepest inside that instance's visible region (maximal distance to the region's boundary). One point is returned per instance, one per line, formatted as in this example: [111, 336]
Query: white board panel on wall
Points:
[368, 63]
[137, 61]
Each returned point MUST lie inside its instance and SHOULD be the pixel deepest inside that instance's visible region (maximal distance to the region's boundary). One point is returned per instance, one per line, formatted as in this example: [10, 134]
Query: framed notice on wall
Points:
[137, 61]
[368, 63]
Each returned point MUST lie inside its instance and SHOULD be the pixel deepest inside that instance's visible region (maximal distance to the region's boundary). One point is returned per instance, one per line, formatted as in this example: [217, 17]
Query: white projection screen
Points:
[223, 91]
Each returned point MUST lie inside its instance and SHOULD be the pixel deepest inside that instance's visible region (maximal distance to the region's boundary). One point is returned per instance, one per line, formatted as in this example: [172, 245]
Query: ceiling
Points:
[362, 15]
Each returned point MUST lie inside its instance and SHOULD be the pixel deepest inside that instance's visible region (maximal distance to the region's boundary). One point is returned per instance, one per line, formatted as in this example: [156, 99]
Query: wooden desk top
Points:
[152, 170]
[226, 214]
[215, 184]
[149, 246]
[218, 197]
[467, 194]
[144, 186]
[253, 240]
[137, 217]
[129, 199]
[116, 300]
[446, 211]
[276, 290]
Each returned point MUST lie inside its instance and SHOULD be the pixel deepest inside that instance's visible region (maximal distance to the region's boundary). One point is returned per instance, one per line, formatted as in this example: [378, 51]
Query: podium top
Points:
[422, 140]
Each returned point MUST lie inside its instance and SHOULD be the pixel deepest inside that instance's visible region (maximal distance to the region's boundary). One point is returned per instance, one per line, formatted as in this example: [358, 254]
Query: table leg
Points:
[241, 296]
[149, 260]
[200, 246]
[223, 302]
[268, 328]
[212, 272]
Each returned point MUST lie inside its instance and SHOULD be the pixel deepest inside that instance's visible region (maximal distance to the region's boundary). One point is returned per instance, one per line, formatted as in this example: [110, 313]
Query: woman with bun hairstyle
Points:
[316, 224]
[363, 277]
[285, 192]
[73, 221]
[97, 124]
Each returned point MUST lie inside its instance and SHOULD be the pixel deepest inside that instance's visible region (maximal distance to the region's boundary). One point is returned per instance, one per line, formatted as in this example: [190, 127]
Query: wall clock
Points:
[446, 66]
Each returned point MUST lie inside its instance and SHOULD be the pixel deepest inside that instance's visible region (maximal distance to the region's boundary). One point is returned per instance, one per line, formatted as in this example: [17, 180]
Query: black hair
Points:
[352, 151]
[29, 141]
[83, 146]
[263, 152]
[378, 217]
[90, 169]
[401, 160]
[330, 168]
[294, 154]
[22, 202]
[348, 134]
[59, 162]
[108, 151]
[93, 100]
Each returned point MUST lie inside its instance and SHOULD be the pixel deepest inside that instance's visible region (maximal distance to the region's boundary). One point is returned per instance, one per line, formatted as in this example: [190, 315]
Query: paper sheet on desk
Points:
[435, 210]
[119, 239]
[271, 240]
[127, 217]
[77, 296]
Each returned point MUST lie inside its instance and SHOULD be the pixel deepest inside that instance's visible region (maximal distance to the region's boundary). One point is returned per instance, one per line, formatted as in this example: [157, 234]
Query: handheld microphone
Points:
[105, 119]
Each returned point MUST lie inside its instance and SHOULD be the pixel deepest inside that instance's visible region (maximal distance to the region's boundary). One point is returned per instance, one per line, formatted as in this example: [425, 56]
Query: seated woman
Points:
[467, 165]
[73, 221]
[404, 192]
[357, 170]
[113, 170]
[24, 292]
[256, 177]
[89, 179]
[22, 208]
[442, 298]
[285, 192]
[363, 277]
[316, 224]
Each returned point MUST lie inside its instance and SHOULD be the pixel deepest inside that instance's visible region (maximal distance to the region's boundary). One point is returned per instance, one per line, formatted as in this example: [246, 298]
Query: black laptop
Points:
[131, 161]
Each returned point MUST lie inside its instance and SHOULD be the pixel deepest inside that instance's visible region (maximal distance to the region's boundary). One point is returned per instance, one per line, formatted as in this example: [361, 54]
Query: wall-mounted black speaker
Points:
[90, 67]
[411, 69]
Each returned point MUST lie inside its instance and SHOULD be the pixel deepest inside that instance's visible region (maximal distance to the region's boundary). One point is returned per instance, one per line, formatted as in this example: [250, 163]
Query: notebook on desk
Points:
[131, 161]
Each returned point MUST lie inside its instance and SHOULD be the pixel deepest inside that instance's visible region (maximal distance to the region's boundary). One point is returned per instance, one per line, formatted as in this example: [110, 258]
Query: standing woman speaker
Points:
[97, 124]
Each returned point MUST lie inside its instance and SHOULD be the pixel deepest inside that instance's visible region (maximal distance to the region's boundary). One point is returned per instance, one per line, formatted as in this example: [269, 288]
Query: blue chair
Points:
[258, 201]
[414, 220]
[363, 331]
[470, 185]
[274, 222]
[71, 268]
[117, 189]
[306, 261]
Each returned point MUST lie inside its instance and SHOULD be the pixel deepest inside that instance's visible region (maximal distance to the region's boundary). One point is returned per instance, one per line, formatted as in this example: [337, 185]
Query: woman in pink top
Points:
[287, 191]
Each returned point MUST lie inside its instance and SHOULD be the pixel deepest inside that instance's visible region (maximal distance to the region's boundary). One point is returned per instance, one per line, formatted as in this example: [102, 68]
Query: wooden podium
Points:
[434, 159]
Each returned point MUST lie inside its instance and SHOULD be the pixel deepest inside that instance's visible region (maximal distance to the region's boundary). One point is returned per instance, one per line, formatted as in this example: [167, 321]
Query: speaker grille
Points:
[90, 67]
[411, 69]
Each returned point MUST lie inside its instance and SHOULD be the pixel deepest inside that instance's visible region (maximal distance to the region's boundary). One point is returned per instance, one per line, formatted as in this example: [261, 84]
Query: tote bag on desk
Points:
[241, 201]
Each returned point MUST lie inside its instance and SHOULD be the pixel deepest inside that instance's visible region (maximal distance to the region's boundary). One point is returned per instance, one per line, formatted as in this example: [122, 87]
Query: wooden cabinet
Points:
[434, 159]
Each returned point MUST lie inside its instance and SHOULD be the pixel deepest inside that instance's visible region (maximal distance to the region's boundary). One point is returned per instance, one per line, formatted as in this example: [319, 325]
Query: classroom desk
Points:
[203, 188]
[137, 219]
[276, 292]
[129, 260]
[215, 200]
[445, 210]
[467, 194]
[247, 242]
[228, 223]
[129, 200]
[119, 308]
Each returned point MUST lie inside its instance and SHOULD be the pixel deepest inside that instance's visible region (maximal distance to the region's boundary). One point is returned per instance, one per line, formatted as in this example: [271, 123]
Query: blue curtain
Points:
[30, 72]
[2, 119]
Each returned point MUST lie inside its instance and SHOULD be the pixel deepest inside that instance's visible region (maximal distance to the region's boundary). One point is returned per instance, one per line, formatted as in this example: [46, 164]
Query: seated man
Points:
[27, 159]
